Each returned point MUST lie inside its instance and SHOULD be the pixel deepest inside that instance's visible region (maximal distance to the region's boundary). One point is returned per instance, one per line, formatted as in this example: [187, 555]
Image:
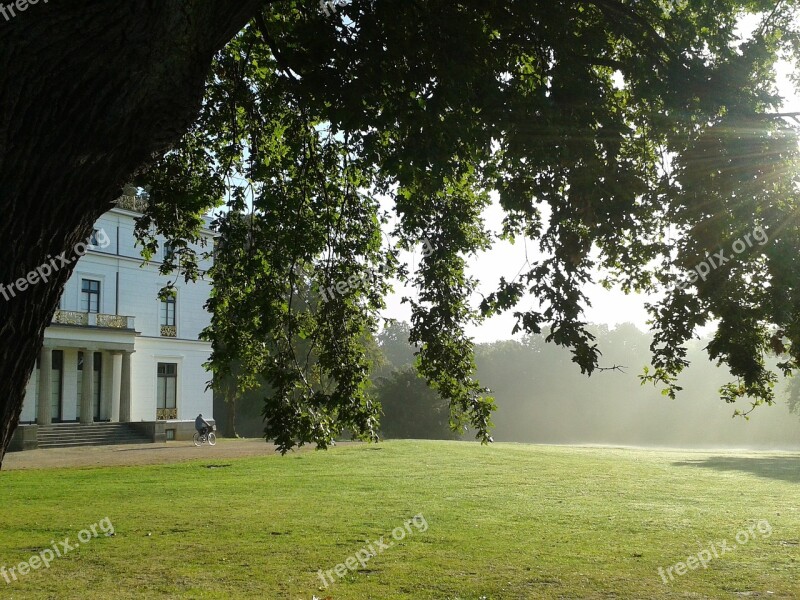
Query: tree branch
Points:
[619, 368]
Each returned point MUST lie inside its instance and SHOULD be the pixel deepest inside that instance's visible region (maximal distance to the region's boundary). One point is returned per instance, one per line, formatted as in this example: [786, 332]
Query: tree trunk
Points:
[90, 92]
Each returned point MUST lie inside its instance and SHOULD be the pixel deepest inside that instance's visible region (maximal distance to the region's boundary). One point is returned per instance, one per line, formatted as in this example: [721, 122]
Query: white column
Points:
[44, 412]
[87, 390]
[116, 385]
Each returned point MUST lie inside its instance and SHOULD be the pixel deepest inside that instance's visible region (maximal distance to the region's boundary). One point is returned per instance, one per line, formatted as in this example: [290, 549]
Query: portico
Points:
[61, 378]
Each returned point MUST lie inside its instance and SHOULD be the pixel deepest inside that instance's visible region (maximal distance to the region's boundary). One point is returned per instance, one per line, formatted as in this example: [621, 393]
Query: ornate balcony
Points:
[113, 321]
[68, 317]
[82, 319]
[169, 331]
[132, 203]
[166, 414]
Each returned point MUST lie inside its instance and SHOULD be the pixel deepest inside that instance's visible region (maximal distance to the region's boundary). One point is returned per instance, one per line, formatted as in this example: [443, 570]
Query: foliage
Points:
[395, 347]
[793, 395]
[411, 409]
[630, 139]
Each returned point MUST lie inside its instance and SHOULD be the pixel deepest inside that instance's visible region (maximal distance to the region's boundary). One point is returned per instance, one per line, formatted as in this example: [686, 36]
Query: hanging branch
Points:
[619, 368]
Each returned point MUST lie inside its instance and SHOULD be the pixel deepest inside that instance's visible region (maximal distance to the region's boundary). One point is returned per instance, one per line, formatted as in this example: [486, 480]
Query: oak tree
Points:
[633, 139]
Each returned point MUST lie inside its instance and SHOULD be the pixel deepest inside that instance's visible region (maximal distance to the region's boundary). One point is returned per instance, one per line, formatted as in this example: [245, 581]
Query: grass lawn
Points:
[506, 521]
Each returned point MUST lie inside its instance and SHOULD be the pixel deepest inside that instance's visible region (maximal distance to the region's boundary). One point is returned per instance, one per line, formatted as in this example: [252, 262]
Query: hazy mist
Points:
[543, 398]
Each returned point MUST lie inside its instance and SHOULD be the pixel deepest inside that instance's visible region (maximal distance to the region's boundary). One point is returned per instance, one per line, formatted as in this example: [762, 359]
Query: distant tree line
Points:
[543, 398]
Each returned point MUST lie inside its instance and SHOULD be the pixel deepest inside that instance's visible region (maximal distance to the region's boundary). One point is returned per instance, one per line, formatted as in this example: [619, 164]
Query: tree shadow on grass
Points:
[781, 468]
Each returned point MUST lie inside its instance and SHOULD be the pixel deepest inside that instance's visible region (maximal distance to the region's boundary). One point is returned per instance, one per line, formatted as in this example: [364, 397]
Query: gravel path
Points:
[137, 454]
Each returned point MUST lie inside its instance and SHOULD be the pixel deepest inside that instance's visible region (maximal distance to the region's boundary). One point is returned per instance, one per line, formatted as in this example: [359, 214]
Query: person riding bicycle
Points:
[202, 426]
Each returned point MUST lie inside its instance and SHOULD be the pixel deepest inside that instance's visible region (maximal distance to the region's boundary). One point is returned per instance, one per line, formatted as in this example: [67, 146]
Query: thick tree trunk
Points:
[90, 92]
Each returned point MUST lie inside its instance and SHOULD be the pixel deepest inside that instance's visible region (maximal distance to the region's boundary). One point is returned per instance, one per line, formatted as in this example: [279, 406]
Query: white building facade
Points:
[144, 352]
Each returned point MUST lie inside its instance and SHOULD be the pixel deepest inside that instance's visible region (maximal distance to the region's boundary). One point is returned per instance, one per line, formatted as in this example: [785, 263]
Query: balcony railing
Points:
[82, 319]
[113, 321]
[68, 317]
[165, 414]
[169, 331]
[132, 203]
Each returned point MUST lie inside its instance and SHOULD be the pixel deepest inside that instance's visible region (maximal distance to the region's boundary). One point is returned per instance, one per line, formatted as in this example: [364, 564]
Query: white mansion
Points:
[143, 353]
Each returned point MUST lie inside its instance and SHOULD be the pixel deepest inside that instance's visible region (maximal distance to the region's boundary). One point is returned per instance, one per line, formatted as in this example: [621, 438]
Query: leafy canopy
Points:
[629, 138]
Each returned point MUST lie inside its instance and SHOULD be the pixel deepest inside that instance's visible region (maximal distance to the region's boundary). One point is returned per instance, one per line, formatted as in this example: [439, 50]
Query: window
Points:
[167, 319]
[167, 395]
[93, 240]
[57, 387]
[97, 363]
[168, 311]
[90, 296]
[169, 251]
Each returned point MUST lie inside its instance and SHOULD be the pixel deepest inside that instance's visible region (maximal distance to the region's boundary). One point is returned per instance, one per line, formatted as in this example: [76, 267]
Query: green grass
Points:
[506, 521]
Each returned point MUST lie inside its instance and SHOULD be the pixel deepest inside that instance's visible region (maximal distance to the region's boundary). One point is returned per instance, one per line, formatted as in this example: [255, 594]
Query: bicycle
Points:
[208, 436]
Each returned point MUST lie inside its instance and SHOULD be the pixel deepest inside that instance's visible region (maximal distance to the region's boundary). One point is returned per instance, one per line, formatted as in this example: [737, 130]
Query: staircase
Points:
[69, 435]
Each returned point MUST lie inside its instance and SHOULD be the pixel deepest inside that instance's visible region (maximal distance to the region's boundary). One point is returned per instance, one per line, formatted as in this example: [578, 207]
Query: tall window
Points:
[57, 387]
[167, 317]
[90, 296]
[167, 391]
[168, 311]
[169, 251]
[96, 388]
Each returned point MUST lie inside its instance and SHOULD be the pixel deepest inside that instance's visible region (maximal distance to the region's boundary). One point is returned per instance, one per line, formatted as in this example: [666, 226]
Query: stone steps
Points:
[95, 434]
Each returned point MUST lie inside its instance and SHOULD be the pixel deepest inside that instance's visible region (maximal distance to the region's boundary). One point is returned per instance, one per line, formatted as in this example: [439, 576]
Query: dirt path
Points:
[137, 454]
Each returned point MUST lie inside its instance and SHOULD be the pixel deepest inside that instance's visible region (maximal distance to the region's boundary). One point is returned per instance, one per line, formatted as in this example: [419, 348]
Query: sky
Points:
[610, 307]
[506, 260]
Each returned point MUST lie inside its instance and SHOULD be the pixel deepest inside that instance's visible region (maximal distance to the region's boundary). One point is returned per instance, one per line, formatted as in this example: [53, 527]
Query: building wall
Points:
[191, 380]
[138, 285]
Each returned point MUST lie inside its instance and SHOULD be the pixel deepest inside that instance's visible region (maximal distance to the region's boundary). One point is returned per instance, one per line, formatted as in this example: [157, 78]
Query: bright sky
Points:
[506, 260]
[611, 307]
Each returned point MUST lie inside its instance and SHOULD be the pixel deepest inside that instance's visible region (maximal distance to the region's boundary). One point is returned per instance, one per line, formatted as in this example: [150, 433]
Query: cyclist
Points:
[202, 426]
